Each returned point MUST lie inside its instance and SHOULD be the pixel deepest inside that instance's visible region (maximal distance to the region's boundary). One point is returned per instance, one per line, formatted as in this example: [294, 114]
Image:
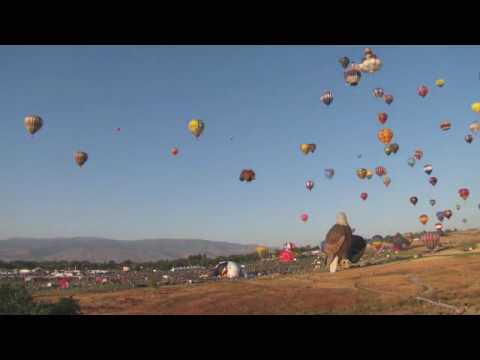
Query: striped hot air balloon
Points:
[327, 97]
[380, 171]
[431, 240]
[33, 123]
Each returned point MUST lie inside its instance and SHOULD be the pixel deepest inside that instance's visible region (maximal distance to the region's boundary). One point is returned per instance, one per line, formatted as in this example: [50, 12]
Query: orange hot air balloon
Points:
[385, 135]
[423, 219]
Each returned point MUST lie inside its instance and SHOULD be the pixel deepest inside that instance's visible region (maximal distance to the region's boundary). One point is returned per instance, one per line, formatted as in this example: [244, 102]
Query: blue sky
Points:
[267, 97]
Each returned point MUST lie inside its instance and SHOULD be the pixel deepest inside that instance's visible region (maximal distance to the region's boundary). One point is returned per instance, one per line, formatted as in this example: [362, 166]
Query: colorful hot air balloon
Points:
[439, 83]
[174, 151]
[352, 77]
[385, 135]
[438, 226]
[362, 173]
[422, 91]
[329, 173]
[431, 240]
[80, 158]
[382, 118]
[378, 92]
[388, 150]
[304, 217]
[468, 138]
[448, 214]
[395, 147]
[344, 61]
[327, 97]
[388, 99]
[464, 193]
[387, 181]
[440, 215]
[433, 180]
[380, 171]
[196, 127]
[33, 123]
[474, 126]
[307, 148]
[418, 154]
[364, 196]
[309, 185]
[414, 200]
[247, 175]
[445, 125]
[428, 169]
[411, 162]
[476, 107]
[423, 219]
[369, 174]
[432, 202]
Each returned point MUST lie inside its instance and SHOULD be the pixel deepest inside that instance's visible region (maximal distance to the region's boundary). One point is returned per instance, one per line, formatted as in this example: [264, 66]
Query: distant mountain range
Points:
[104, 250]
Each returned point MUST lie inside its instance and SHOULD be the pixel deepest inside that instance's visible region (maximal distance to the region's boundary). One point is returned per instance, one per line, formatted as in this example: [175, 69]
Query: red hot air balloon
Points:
[422, 91]
[433, 180]
[445, 125]
[309, 185]
[174, 151]
[431, 240]
[380, 171]
[382, 118]
[364, 196]
[418, 154]
[304, 217]
[464, 193]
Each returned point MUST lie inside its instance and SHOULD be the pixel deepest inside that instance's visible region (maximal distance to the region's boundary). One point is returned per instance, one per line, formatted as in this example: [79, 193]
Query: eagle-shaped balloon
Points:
[337, 242]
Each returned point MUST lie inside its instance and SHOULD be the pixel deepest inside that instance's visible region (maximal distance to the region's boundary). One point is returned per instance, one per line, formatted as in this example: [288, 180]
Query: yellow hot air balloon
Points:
[307, 148]
[362, 173]
[262, 251]
[196, 127]
[385, 135]
[369, 174]
[440, 82]
[476, 107]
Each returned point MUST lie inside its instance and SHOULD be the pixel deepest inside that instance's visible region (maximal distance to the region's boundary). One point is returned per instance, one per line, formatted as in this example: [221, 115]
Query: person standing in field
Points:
[337, 242]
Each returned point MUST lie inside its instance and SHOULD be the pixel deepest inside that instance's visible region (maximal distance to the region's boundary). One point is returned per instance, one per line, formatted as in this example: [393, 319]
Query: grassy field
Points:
[446, 282]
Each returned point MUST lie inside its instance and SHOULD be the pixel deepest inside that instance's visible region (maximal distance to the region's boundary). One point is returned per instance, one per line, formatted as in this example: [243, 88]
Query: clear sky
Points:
[267, 98]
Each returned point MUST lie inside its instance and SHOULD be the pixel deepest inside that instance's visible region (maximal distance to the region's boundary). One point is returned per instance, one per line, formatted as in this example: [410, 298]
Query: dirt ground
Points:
[447, 282]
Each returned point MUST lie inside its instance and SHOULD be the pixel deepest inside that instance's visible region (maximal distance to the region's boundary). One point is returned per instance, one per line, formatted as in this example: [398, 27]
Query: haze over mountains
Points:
[104, 250]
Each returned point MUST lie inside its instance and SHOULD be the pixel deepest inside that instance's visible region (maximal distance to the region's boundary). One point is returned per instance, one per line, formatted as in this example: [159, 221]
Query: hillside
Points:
[104, 250]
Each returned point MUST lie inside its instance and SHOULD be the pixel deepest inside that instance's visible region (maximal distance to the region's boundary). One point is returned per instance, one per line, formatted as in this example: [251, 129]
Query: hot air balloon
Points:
[174, 151]
[307, 148]
[458, 207]
[388, 150]
[395, 147]
[464, 193]
[414, 200]
[378, 92]
[309, 185]
[262, 251]
[428, 169]
[476, 107]
[380, 171]
[327, 97]
[468, 138]
[432, 202]
[448, 214]
[247, 175]
[118, 129]
[369, 174]
[33, 123]
[364, 196]
[80, 158]
[387, 181]
[304, 217]
[445, 125]
[438, 226]
[439, 83]
[196, 127]
[352, 77]
[359, 156]
[422, 91]
[385, 135]
[418, 154]
[431, 240]
[344, 61]
[329, 173]
[382, 118]
[362, 173]
[411, 162]
[474, 126]
[440, 215]
[423, 219]
[388, 99]
[433, 180]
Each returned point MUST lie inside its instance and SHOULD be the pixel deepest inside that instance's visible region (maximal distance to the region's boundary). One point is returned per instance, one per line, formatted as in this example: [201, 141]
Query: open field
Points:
[447, 282]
